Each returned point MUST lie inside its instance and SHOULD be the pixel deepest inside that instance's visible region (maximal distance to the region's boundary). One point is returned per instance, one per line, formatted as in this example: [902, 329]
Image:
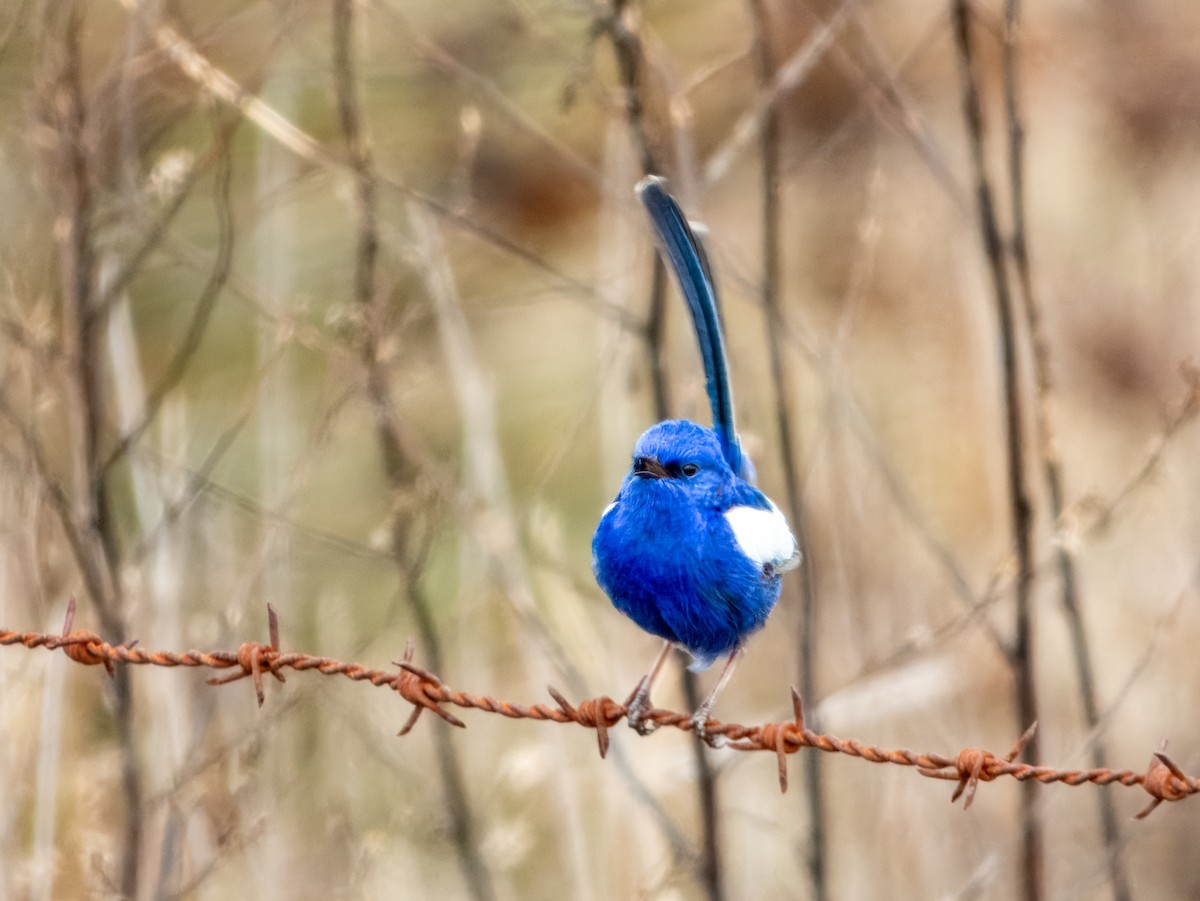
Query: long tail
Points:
[690, 262]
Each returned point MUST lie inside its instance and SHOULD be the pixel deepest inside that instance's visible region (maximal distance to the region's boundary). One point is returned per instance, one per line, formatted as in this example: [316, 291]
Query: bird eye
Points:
[689, 469]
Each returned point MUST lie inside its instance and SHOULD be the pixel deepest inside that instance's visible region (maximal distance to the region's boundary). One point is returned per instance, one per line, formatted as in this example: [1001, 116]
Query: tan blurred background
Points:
[500, 331]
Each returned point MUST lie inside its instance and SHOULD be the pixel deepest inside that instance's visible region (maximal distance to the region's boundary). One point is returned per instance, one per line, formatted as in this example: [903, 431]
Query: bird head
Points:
[679, 453]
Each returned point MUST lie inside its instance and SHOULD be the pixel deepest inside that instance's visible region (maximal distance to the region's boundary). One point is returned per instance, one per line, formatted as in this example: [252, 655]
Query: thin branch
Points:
[899, 111]
[46, 350]
[156, 230]
[783, 79]
[220, 85]
[906, 503]
[1021, 656]
[399, 470]
[65, 108]
[1052, 468]
[487, 89]
[60, 501]
[772, 262]
[622, 30]
[1101, 513]
[202, 312]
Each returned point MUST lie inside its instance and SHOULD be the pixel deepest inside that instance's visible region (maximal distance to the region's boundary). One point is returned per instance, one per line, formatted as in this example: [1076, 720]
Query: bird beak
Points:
[649, 468]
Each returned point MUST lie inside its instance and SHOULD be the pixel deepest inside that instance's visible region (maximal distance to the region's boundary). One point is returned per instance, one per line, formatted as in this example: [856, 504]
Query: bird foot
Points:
[700, 728]
[636, 709]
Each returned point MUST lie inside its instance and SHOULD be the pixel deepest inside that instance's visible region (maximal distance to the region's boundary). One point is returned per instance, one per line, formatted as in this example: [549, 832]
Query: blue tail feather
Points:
[691, 264]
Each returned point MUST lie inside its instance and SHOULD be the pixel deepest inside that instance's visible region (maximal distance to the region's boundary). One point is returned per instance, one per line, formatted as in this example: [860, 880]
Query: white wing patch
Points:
[764, 536]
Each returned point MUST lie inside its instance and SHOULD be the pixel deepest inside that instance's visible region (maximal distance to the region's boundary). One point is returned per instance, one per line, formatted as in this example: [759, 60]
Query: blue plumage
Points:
[667, 555]
[690, 550]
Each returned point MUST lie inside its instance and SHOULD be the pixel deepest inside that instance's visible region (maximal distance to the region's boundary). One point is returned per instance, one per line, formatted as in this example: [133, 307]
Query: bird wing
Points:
[690, 262]
[763, 535]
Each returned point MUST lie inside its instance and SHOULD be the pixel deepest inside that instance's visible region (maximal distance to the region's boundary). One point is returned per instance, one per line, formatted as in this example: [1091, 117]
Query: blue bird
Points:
[690, 550]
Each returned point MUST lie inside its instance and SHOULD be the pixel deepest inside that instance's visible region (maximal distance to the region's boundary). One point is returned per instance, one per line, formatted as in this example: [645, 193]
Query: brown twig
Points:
[772, 263]
[398, 466]
[65, 109]
[219, 85]
[622, 28]
[157, 228]
[1021, 657]
[783, 79]
[179, 363]
[1100, 513]
[487, 90]
[1052, 468]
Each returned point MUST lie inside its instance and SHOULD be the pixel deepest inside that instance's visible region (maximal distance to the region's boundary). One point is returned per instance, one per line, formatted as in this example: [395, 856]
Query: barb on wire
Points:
[1163, 779]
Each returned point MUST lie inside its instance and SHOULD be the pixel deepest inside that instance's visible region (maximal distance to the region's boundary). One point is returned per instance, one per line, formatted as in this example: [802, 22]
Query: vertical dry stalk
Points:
[1052, 470]
[771, 288]
[400, 469]
[631, 63]
[1020, 655]
[65, 108]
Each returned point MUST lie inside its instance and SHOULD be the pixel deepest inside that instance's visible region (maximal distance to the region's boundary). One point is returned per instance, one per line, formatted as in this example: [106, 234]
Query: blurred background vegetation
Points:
[343, 308]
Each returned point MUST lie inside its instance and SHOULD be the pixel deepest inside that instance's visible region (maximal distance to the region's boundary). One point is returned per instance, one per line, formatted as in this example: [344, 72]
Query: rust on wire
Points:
[255, 659]
[75, 644]
[1163, 779]
[1166, 782]
[414, 686]
[974, 765]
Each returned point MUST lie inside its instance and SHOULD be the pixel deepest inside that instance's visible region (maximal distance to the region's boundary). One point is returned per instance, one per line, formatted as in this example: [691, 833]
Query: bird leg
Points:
[639, 702]
[700, 717]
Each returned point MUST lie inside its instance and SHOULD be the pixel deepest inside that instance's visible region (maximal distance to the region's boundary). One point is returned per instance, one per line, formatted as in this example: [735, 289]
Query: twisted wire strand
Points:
[1163, 780]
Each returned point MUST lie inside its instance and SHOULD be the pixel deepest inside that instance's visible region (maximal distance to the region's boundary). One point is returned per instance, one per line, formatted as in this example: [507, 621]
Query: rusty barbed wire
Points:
[1163, 780]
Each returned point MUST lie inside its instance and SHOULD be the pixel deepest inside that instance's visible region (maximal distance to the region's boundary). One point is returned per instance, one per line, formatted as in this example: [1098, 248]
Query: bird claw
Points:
[637, 708]
[642, 726]
[700, 728]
